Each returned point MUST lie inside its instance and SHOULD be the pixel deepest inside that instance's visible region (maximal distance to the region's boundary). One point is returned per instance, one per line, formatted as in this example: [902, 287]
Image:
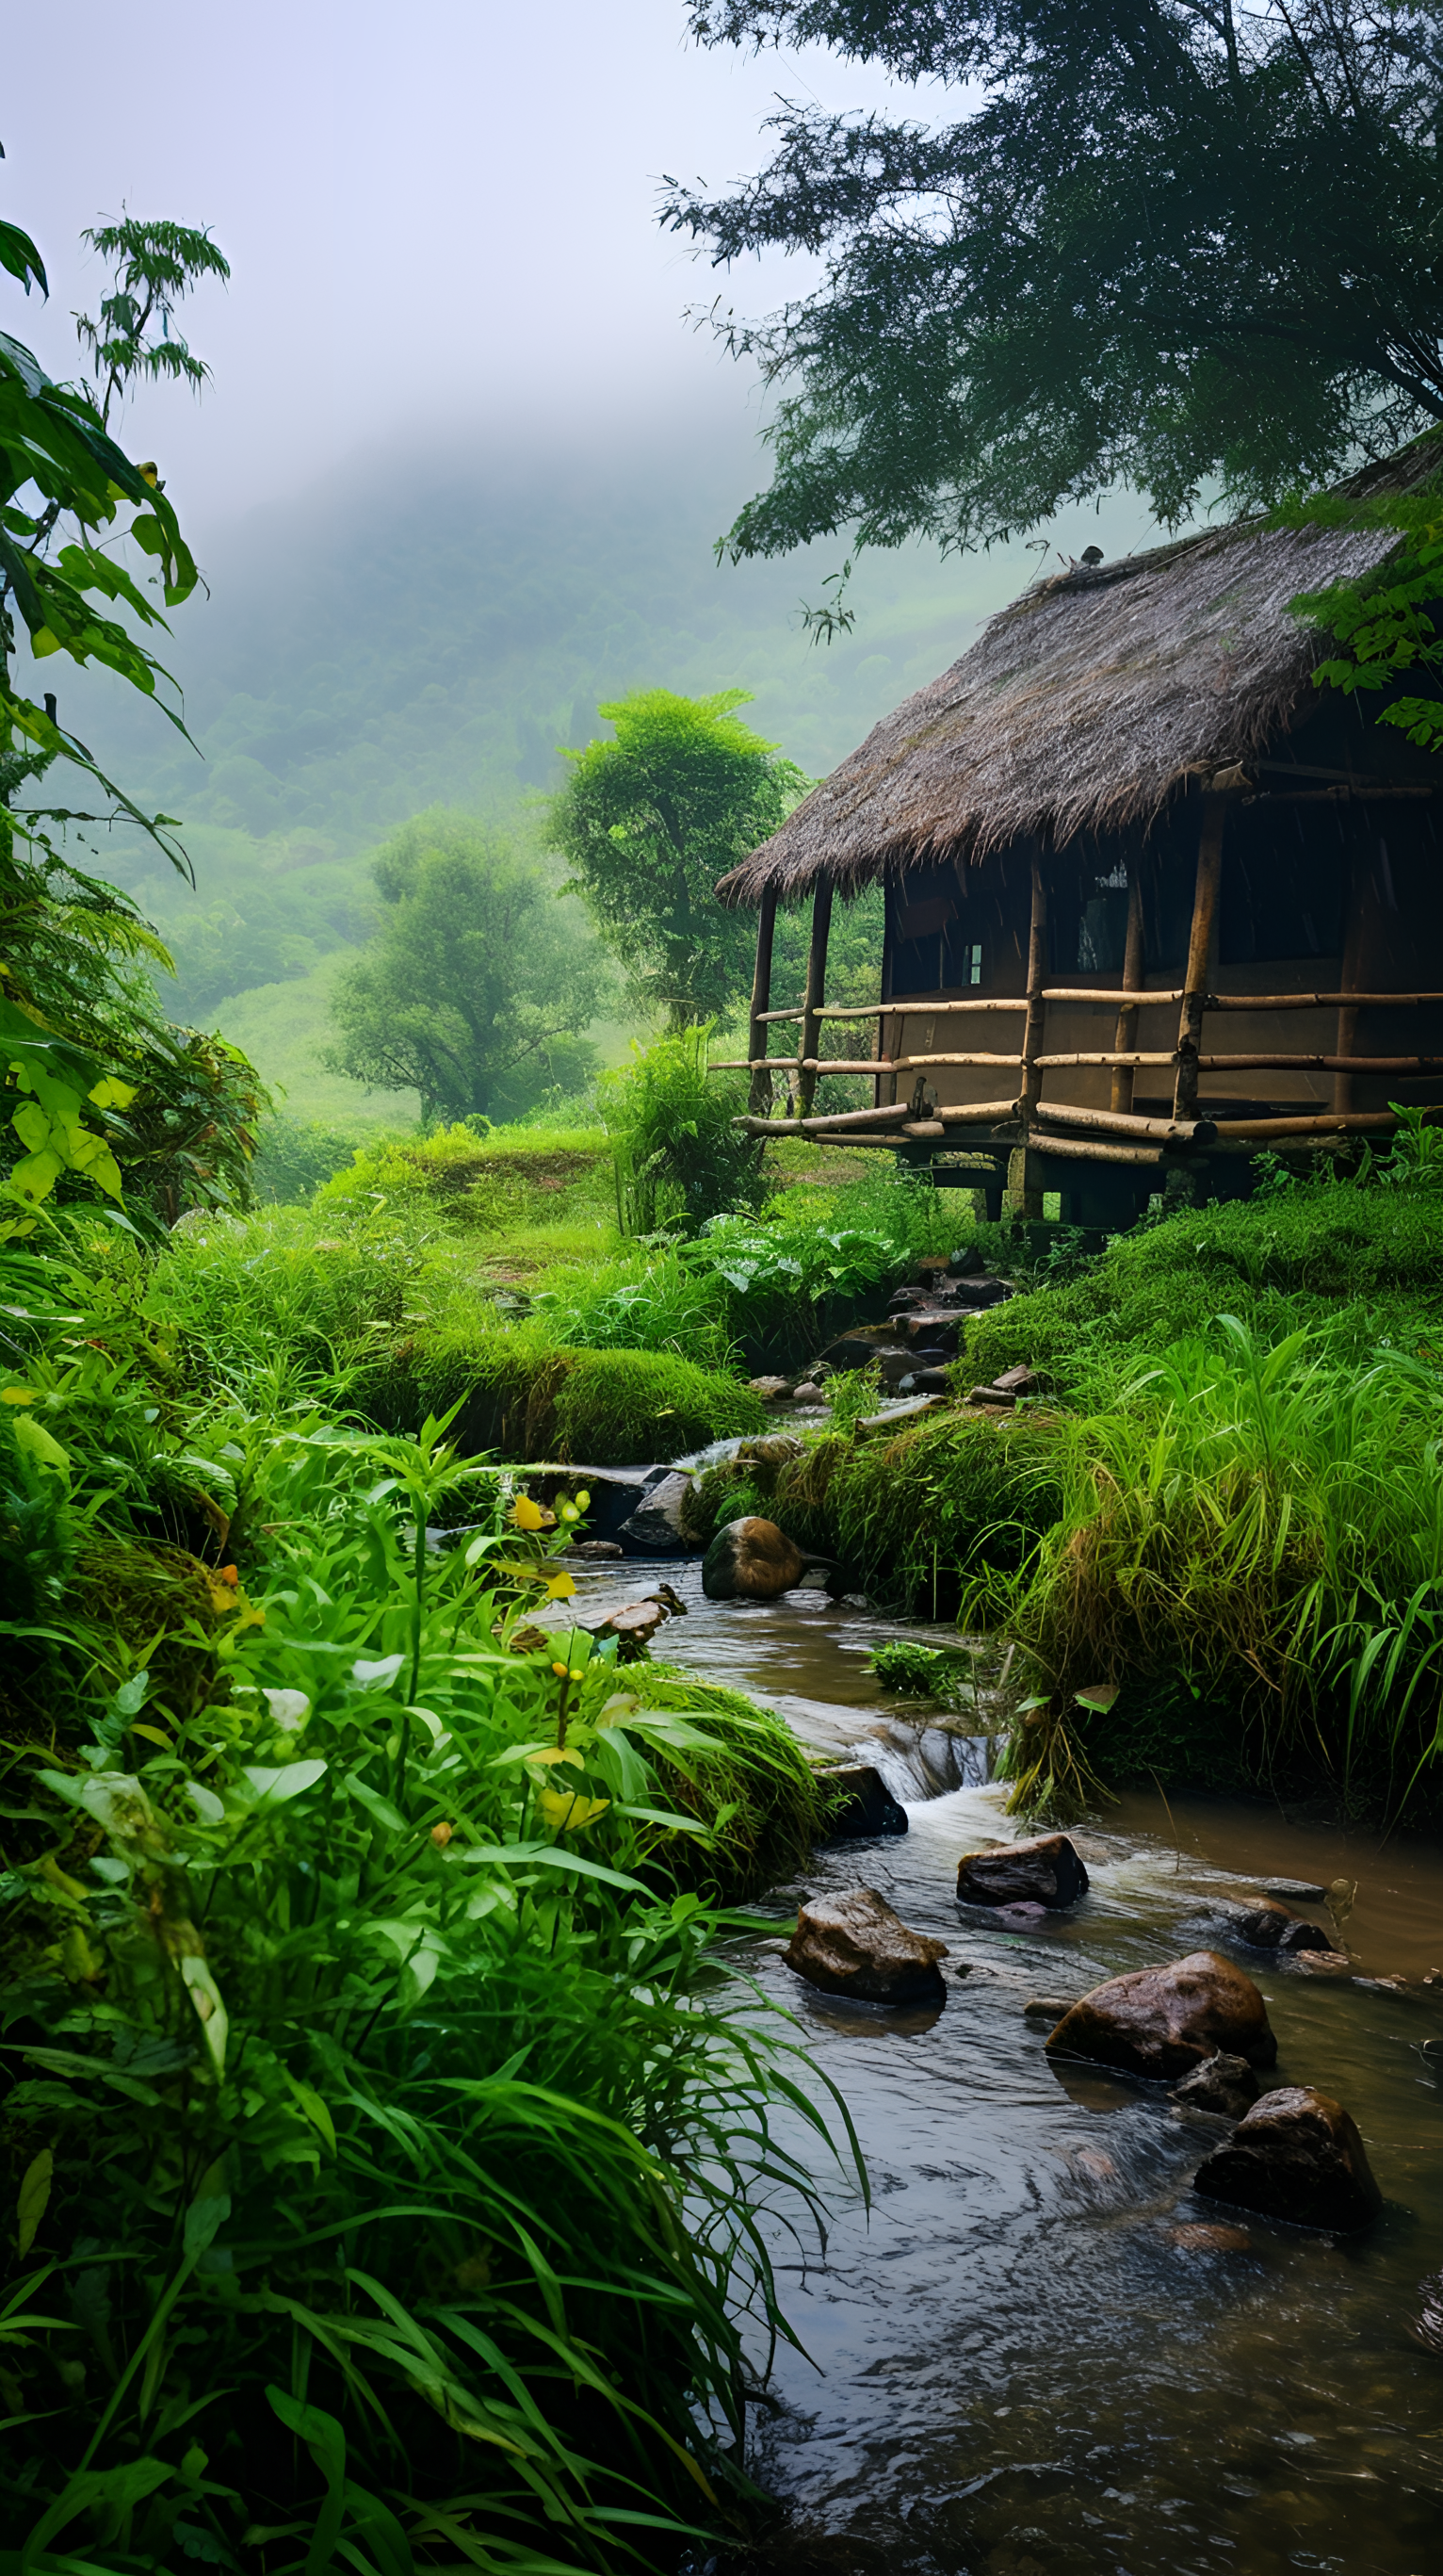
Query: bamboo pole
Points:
[816, 987]
[1076, 1149]
[1322, 1063]
[759, 1098]
[1108, 1055]
[1123, 1075]
[1331, 1122]
[1199, 955]
[1117, 1122]
[1125, 997]
[1023, 1197]
[1346, 1000]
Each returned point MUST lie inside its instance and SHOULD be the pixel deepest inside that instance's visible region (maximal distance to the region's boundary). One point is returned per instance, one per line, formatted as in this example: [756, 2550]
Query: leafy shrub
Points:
[379, 2183]
[295, 1156]
[642, 1302]
[680, 1158]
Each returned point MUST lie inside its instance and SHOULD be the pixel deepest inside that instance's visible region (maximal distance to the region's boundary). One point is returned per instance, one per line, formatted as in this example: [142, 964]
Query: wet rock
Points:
[1162, 2022]
[1045, 1870]
[808, 1392]
[1195, 2239]
[655, 1527]
[1267, 1926]
[773, 1449]
[856, 1945]
[1324, 1963]
[1223, 2085]
[595, 1548]
[925, 1381]
[750, 1559]
[1020, 1917]
[1297, 2156]
[869, 1809]
[1047, 2007]
[1017, 1381]
[1295, 1891]
[772, 1390]
[633, 1626]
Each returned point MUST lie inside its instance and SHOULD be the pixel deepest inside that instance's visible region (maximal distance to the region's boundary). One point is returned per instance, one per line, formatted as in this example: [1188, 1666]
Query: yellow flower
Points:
[530, 1516]
[570, 1815]
[441, 1835]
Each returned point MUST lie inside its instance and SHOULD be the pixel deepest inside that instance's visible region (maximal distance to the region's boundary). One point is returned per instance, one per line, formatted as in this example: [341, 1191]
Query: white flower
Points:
[289, 1708]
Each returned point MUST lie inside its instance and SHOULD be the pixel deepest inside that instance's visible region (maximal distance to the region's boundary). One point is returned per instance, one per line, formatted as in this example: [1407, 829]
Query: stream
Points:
[1013, 2363]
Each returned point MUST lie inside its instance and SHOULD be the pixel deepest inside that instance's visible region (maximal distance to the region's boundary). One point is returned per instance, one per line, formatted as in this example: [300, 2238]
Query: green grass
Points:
[1363, 1265]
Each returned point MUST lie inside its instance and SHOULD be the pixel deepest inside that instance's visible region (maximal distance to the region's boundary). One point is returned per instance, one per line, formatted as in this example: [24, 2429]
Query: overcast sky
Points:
[440, 218]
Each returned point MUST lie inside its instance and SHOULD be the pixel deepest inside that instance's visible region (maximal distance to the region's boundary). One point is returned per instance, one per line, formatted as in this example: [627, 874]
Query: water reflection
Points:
[1040, 2352]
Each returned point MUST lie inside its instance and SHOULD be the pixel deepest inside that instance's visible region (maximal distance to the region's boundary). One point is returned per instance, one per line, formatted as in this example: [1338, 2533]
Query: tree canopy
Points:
[479, 983]
[1168, 242]
[650, 821]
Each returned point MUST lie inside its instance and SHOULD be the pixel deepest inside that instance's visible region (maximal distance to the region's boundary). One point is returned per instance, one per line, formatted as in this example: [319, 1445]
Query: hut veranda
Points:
[1153, 900]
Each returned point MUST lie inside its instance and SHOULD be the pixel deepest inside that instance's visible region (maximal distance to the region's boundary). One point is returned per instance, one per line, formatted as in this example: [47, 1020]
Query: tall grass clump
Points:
[383, 2193]
[1259, 1527]
[680, 1157]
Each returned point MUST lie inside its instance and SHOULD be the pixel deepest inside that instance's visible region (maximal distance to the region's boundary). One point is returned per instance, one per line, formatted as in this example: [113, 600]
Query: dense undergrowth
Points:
[1228, 1540]
[385, 2191]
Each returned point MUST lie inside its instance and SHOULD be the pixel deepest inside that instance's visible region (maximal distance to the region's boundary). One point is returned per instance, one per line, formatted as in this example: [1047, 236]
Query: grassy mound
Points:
[1362, 1265]
[527, 1398]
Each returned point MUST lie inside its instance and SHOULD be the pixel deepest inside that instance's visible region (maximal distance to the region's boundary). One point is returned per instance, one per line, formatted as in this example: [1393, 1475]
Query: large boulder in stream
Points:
[1297, 2156]
[856, 1945]
[1045, 1870]
[751, 1560]
[1161, 2022]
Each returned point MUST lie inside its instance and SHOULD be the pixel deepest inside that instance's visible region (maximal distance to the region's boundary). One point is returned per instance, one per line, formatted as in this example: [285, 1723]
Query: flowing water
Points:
[1013, 2363]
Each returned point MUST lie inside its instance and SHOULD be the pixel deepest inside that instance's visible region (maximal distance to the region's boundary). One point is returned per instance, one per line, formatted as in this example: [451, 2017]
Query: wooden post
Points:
[1199, 955]
[1133, 964]
[1024, 1198]
[1360, 957]
[816, 986]
[759, 1099]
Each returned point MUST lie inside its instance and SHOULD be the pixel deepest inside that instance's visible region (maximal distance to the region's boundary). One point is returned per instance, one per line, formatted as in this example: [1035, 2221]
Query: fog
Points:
[440, 219]
[460, 466]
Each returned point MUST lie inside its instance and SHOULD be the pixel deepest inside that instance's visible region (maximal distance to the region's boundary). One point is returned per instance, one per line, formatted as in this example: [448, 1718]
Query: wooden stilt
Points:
[1199, 955]
[1024, 1194]
[1132, 975]
[759, 1098]
[816, 988]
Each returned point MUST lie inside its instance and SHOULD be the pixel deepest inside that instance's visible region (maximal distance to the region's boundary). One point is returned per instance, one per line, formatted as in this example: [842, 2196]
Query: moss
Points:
[529, 1399]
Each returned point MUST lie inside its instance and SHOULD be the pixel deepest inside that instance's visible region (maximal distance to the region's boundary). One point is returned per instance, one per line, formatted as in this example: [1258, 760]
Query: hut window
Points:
[1089, 921]
[1279, 898]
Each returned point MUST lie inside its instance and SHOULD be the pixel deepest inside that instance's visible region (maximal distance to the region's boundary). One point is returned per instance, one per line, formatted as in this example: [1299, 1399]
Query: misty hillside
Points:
[431, 636]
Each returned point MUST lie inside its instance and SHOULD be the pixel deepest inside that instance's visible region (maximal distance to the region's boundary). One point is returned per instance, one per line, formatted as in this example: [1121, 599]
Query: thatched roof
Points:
[1085, 704]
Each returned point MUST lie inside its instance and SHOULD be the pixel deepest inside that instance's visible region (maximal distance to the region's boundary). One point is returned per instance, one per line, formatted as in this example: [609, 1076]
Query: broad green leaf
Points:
[34, 2199]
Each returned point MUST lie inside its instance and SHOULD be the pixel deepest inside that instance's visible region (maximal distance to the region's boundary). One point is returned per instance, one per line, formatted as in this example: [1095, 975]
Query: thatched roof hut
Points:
[1128, 795]
[1084, 705]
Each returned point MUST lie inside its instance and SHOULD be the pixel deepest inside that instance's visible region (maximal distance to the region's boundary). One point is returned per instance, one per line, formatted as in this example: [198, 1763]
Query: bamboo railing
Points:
[1027, 1120]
